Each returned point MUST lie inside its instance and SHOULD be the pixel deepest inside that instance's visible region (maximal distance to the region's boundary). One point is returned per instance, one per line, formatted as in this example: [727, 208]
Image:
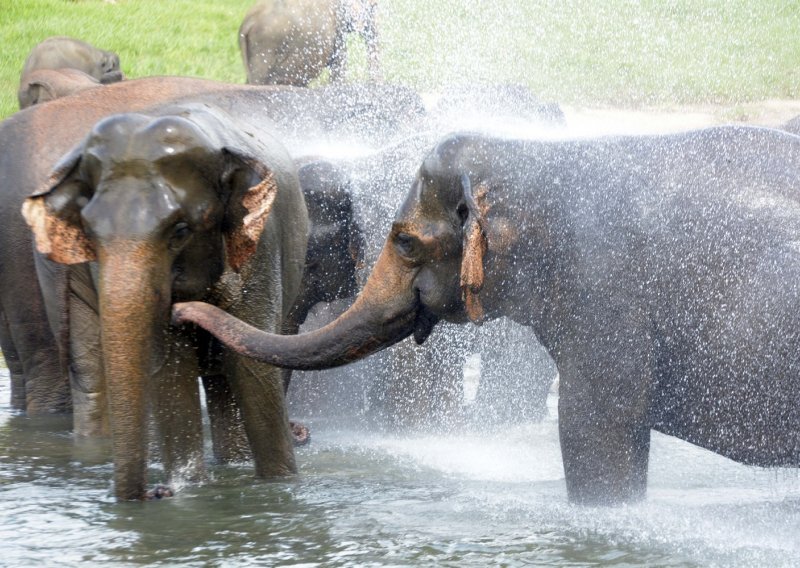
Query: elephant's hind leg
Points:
[228, 437]
[14, 365]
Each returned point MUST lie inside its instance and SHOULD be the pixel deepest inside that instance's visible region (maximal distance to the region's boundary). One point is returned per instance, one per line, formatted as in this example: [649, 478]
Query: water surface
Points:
[364, 499]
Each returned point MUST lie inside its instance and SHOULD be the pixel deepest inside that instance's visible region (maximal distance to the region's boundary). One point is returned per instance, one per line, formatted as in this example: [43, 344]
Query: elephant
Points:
[174, 204]
[335, 249]
[660, 272]
[291, 43]
[407, 387]
[61, 52]
[31, 334]
[47, 84]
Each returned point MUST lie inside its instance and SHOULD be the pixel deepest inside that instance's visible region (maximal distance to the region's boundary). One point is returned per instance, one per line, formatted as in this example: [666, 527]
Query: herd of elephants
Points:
[158, 230]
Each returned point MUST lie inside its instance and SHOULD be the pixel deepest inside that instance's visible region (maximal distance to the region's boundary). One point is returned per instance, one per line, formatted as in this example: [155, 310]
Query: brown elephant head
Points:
[164, 205]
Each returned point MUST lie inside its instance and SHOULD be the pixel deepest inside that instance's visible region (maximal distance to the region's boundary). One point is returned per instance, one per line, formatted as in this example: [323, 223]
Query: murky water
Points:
[363, 499]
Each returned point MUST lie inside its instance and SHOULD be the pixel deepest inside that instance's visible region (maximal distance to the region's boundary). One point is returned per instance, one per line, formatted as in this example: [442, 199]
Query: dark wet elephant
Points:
[291, 43]
[49, 84]
[32, 142]
[61, 52]
[174, 205]
[662, 274]
[335, 250]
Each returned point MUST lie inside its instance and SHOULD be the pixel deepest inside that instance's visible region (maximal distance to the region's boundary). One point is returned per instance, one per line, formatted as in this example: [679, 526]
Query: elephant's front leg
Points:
[176, 409]
[604, 424]
[259, 392]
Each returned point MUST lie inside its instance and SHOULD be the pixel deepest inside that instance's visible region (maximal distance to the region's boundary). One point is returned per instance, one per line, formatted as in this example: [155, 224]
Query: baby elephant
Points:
[48, 84]
[291, 43]
[61, 52]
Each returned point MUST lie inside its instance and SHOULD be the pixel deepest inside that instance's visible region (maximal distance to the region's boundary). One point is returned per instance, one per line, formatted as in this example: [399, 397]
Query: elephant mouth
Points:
[424, 324]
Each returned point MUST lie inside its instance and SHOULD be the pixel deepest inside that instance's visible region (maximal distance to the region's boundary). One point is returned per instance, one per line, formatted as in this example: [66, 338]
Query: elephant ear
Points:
[252, 188]
[474, 248]
[53, 213]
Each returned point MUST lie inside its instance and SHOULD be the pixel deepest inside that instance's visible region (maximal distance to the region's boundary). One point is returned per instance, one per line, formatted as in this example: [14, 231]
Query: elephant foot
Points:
[159, 492]
[300, 433]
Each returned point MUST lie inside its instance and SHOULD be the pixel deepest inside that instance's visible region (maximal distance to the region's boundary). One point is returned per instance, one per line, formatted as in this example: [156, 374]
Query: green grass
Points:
[582, 52]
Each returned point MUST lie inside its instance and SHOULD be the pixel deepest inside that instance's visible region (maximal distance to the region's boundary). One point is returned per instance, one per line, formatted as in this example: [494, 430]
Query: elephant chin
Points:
[424, 325]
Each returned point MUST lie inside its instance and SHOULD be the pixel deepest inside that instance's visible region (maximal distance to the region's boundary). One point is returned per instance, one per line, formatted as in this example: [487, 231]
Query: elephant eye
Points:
[405, 244]
[180, 232]
[463, 213]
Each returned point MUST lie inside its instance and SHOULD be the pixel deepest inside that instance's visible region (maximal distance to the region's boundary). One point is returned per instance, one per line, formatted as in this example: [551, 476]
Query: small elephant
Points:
[291, 43]
[48, 84]
[335, 250]
[174, 204]
[60, 52]
[661, 273]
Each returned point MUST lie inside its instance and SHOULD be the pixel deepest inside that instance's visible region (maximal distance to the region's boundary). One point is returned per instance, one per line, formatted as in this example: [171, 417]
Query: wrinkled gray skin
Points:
[660, 272]
[50, 84]
[174, 205]
[291, 43]
[335, 249]
[61, 52]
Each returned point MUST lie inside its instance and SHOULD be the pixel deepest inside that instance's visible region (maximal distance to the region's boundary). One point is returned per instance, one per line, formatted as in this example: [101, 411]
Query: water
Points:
[363, 499]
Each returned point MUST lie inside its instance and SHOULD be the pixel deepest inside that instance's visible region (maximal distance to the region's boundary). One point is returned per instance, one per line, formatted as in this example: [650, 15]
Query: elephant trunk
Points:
[134, 302]
[386, 311]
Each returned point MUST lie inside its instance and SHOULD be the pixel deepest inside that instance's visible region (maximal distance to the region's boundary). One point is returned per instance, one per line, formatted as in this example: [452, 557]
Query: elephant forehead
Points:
[130, 206]
[134, 136]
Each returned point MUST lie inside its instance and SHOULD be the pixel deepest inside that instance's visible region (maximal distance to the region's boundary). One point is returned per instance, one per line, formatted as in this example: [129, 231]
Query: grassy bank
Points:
[581, 52]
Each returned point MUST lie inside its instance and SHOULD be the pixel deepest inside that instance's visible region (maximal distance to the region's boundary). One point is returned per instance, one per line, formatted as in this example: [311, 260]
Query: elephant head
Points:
[164, 205]
[431, 268]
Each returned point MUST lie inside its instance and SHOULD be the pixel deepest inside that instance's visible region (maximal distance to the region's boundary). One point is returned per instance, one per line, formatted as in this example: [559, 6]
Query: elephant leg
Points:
[176, 409]
[259, 392]
[228, 437]
[604, 423]
[46, 386]
[338, 62]
[89, 396]
[14, 365]
[370, 34]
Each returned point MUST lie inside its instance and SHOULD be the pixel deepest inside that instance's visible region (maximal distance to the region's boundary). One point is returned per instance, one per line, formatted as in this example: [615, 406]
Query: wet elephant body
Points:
[659, 272]
[34, 140]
